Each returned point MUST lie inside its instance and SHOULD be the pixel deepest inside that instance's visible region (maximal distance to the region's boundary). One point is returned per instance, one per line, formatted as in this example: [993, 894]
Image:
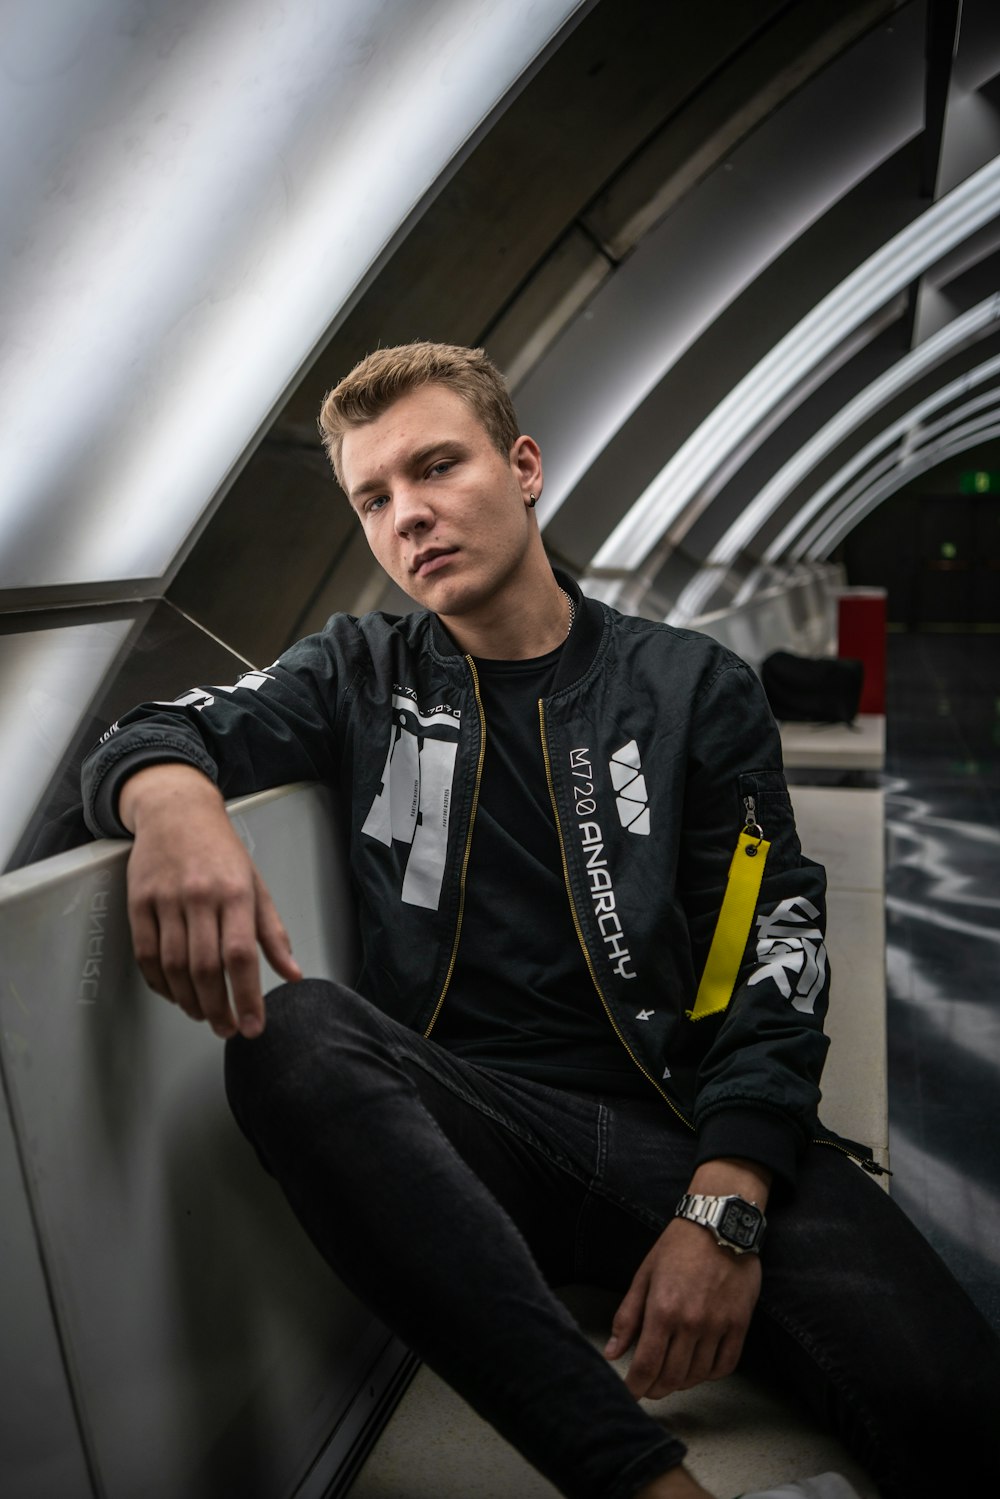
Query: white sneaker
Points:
[823, 1486]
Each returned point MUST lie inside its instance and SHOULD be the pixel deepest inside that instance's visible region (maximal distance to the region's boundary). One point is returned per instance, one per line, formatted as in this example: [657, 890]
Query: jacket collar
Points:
[581, 645]
[588, 630]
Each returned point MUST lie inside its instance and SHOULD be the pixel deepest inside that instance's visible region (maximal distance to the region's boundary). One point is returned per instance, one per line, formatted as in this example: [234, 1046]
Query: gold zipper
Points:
[468, 846]
[579, 929]
[866, 1162]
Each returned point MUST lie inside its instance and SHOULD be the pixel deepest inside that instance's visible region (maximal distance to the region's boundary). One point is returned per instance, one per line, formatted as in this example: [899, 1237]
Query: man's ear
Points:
[526, 465]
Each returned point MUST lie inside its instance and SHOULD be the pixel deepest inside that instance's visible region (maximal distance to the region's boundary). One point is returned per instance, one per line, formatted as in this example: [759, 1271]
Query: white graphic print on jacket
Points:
[413, 804]
[199, 699]
[789, 948]
[630, 785]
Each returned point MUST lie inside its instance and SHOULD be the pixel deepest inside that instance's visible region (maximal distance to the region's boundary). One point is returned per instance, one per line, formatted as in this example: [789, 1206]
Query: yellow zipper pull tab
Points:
[735, 915]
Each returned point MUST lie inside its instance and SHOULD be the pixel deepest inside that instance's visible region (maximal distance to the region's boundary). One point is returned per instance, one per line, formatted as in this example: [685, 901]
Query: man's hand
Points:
[689, 1305]
[196, 904]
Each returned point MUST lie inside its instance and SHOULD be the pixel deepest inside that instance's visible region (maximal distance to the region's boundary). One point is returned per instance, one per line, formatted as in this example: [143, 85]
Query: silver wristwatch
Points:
[737, 1224]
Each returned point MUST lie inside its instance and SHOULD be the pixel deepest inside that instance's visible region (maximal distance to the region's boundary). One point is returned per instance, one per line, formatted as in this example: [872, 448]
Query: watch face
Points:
[740, 1224]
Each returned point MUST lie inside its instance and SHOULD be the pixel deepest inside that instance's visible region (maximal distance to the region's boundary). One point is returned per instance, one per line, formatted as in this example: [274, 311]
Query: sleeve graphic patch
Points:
[791, 953]
[199, 699]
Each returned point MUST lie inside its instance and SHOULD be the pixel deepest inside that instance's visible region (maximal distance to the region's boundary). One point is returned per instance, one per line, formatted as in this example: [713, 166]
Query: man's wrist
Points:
[726, 1200]
[731, 1175]
[165, 786]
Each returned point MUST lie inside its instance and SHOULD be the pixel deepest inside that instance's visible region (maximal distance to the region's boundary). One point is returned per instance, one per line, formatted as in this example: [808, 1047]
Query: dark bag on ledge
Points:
[812, 689]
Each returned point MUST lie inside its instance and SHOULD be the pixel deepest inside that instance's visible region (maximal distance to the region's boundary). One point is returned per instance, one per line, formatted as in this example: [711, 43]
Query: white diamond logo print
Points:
[628, 755]
[635, 791]
[628, 812]
[625, 768]
[621, 774]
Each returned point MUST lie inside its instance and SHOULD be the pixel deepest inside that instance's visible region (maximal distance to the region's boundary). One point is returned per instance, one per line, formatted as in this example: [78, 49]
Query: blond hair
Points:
[381, 378]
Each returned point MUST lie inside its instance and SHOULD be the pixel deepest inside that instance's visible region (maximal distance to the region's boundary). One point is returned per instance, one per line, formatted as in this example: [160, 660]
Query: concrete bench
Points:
[165, 1327]
[844, 829]
[835, 746]
[739, 1436]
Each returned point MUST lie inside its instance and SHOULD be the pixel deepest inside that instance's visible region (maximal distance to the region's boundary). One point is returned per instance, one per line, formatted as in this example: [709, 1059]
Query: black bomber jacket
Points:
[659, 748]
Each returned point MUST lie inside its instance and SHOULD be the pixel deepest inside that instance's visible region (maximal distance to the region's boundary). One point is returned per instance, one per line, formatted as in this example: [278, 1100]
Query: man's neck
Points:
[509, 629]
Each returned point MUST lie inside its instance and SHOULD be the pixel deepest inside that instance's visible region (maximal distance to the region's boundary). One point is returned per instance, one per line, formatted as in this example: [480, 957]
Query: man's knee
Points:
[300, 1011]
[313, 1026]
[302, 1020]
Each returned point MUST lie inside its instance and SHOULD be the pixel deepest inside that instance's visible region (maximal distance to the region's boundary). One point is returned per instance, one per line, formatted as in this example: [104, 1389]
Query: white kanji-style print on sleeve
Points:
[790, 952]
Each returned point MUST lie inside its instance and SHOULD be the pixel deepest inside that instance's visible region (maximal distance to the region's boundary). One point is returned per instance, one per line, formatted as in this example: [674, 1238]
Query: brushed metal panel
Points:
[210, 1349]
[40, 1449]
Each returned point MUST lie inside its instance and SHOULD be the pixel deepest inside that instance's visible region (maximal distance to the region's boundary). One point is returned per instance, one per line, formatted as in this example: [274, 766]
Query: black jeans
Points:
[450, 1198]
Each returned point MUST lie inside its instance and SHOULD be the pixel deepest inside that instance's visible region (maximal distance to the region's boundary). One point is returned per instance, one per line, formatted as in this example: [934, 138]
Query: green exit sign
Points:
[979, 482]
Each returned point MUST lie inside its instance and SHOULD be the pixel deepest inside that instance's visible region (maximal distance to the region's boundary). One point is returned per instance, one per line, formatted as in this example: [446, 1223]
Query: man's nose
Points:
[412, 510]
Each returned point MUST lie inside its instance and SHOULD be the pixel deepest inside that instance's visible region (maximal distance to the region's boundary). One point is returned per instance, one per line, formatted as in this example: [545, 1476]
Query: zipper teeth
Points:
[468, 847]
[579, 929]
[867, 1163]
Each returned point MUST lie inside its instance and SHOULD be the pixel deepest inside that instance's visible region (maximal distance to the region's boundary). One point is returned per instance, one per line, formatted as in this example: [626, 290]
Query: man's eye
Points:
[442, 466]
[375, 504]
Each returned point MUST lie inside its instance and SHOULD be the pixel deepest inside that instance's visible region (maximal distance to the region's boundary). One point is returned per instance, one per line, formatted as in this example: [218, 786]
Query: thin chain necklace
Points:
[572, 609]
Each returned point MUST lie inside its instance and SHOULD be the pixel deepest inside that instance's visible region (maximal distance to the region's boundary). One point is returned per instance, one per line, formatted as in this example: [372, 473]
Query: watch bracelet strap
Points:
[696, 1207]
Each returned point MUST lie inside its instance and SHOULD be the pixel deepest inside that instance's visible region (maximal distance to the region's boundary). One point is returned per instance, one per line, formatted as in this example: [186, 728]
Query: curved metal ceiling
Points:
[961, 333]
[192, 192]
[789, 364]
[689, 273]
[716, 257]
[628, 564]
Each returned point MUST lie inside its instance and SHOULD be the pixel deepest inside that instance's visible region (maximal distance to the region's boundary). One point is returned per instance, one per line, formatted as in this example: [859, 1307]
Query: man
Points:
[586, 1040]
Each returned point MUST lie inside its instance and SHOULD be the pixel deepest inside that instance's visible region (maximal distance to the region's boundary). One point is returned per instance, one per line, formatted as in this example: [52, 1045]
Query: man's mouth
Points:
[425, 563]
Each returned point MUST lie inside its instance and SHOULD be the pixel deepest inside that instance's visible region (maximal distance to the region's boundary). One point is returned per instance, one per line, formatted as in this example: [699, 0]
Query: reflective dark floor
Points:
[943, 947]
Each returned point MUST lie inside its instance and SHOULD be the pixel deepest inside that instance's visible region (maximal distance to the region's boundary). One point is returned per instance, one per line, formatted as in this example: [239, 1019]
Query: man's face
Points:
[443, 512]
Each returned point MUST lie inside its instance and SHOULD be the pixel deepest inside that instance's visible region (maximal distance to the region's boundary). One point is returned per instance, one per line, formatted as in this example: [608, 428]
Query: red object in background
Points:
[861, 616]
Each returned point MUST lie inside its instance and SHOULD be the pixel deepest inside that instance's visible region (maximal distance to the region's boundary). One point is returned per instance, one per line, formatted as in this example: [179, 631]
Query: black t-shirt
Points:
[521, 997]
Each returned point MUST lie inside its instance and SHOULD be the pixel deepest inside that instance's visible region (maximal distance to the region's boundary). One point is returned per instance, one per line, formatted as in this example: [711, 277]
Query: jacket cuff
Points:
[101, 815]
[755, 1136]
